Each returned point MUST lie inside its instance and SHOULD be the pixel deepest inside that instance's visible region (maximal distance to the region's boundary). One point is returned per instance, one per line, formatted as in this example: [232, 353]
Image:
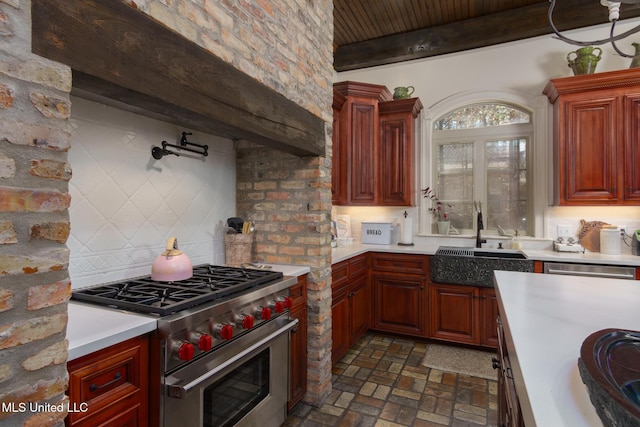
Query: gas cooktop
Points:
[144, 295]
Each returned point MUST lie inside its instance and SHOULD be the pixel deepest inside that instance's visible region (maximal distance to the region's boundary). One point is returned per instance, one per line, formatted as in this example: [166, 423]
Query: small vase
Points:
[635, 62]
[443, 227]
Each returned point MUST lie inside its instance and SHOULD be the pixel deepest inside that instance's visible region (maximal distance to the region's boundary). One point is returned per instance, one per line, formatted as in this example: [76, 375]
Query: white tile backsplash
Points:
[126, 204]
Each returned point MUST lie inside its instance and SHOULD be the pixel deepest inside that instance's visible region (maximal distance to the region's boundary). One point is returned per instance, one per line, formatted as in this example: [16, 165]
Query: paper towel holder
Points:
[401, 243]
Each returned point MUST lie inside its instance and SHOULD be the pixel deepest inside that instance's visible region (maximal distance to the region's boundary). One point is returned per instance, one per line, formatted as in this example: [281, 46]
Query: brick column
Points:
[289, 200]
[34, 224]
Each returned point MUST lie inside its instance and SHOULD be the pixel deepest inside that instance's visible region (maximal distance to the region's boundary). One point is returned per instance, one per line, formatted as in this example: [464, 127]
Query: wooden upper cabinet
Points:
[398, 132]
[373, 161]
[596, 130]
[338, 180]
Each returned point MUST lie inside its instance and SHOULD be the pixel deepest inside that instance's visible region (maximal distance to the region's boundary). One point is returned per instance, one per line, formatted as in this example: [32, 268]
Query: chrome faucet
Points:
[479, 239]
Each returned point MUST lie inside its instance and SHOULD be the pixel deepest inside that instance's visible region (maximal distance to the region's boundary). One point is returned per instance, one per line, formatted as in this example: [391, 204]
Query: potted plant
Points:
[438, 210]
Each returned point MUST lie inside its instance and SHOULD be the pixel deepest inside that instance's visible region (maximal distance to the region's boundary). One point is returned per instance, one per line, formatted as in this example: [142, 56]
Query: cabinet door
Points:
[338, 157]
[339, 323]
[363, 151]
[631, 154]
[298, 346]
[396, 159]
[359, 307]
[454, 313]
[114, 383]
[298, 358]
[400, 304]
[489, 315]
[587, 150]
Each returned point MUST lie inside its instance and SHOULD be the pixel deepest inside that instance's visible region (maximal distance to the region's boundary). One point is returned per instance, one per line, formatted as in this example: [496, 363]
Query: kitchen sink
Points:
[475, 266]
[609, 365]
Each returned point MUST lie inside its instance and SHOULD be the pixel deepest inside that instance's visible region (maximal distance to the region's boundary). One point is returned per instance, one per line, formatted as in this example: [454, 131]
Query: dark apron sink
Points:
[609, 365]
[473, 266]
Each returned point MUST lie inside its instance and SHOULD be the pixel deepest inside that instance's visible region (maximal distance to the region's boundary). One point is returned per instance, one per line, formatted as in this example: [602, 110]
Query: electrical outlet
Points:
[623, 230]
[564, 231]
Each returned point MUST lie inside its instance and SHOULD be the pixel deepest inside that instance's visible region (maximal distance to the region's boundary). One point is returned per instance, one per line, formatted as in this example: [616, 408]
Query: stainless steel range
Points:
[222, 341]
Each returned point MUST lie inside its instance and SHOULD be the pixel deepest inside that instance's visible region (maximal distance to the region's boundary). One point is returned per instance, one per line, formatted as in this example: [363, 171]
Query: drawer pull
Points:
[117, 377]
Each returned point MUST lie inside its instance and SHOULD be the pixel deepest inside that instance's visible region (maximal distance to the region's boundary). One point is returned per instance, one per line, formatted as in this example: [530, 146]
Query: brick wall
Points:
[34, 222]
[286, 45]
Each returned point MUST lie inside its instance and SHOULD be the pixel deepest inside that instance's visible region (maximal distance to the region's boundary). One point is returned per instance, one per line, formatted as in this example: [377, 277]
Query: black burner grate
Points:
[209, 282]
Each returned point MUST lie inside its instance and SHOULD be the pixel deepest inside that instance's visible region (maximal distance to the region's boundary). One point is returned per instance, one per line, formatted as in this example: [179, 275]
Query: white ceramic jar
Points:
[610, 240]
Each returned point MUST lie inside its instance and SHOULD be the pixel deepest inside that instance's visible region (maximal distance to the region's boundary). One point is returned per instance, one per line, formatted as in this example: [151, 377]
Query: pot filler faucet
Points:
[479, 239]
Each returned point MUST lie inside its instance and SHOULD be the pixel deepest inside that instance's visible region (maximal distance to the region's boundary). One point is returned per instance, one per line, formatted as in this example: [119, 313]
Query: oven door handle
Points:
[181, 391]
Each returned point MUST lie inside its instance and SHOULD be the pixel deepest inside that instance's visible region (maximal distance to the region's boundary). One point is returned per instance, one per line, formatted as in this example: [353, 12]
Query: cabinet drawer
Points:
[358, 266]
[339, 274]
[400, 263]
[110, 381]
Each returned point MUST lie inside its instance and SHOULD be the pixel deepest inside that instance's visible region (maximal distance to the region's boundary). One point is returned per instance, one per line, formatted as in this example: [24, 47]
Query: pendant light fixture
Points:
[614, 15]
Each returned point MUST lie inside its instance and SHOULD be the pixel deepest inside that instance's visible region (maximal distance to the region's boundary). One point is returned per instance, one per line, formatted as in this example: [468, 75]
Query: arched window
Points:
[481, 158]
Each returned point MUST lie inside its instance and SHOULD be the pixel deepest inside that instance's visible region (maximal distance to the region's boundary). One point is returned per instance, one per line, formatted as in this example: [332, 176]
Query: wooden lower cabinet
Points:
[400, 298]
[400, 304]
[463, 314]
[298, 347]
[350, 307]
[112, 384]
[509, 412]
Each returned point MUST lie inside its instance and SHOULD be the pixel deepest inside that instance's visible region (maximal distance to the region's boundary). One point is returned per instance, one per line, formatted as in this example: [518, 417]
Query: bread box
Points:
[377, 233]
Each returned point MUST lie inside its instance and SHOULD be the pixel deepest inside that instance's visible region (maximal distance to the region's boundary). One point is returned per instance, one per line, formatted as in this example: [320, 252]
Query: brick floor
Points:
[381, 383]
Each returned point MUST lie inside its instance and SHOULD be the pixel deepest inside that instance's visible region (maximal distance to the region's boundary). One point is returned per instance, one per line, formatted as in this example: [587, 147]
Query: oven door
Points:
[244, 383]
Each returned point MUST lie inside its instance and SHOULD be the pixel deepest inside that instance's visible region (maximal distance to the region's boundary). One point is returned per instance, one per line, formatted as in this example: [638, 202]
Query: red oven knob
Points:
[263, 313]
[223, 331]
[186, 351]
[205, 342]
[245, 321]
[288, 302]
[278, 306]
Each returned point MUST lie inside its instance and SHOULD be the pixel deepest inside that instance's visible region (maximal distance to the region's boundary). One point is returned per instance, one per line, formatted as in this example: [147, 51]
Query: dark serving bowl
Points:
[609, 365]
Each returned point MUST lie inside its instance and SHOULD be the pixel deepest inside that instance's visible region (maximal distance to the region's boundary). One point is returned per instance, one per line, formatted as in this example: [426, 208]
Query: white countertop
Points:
[430, 248]
[92, 328]
[546, 318]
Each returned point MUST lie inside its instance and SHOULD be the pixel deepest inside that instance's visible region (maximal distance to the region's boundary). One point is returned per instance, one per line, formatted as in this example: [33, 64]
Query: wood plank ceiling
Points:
[376, 32]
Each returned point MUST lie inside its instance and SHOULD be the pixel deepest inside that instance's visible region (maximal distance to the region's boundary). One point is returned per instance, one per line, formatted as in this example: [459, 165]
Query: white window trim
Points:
[538, 106]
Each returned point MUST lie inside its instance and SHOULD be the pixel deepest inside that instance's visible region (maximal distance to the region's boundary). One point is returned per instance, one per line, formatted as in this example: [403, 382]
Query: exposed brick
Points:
[33, 200]
[51, 106]
[46, 168]
[29, 330]
[7, 233]
[265, 185]
[6, 300]
[49, 418]
[55, 231]
[38, 392]
[52, 355]
[49, 295]
[41, 262]
[7, 167]
[281, 195]
[35, 135]
[6, 94]
[6, 373]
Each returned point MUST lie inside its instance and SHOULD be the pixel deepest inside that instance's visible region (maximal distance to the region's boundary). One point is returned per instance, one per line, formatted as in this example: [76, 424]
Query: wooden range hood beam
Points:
[512, 25]
[120, 54]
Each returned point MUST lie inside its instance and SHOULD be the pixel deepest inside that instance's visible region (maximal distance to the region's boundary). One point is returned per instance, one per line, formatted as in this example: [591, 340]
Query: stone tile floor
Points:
[381, 383]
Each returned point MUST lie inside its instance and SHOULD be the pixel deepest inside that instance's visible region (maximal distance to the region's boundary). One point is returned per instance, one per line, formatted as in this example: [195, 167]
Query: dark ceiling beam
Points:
[508, 26]
[120, 55]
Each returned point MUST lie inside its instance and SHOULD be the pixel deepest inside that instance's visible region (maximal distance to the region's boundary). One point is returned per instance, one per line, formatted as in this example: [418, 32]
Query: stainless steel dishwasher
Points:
[590, 270]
